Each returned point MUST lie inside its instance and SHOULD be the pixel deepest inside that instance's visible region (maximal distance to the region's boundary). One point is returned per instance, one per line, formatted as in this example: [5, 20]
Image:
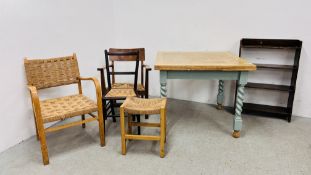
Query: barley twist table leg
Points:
[163, 77]
[238, 110]
[163, 90]
[220, 96]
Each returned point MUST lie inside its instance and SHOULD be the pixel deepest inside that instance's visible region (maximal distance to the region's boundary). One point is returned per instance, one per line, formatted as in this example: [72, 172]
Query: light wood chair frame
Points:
[128, 135]
[41, 130]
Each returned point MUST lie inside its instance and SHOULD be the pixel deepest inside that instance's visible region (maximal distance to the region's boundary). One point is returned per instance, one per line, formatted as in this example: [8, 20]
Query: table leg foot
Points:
[236, 134]
[220, 106]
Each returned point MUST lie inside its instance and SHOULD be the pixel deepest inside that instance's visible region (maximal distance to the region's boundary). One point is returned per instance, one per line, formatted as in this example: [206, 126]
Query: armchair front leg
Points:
[39, 123]
[101, 122]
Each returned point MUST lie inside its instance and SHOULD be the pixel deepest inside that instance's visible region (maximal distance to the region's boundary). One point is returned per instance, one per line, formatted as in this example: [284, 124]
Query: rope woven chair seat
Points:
[134, 105]
[66, 107]
[140, 87]
[121, 93]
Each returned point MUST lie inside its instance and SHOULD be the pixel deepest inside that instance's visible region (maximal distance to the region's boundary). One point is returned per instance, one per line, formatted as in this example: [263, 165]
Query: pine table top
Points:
[199, 61]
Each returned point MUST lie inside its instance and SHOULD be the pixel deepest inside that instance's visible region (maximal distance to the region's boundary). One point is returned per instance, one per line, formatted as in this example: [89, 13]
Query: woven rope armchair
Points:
[52, 72]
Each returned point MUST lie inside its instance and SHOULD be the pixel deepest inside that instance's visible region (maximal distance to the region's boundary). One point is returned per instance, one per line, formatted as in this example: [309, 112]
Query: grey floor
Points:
[198, 142]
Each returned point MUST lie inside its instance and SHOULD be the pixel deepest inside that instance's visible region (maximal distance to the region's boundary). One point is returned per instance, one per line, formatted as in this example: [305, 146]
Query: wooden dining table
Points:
[207, 66]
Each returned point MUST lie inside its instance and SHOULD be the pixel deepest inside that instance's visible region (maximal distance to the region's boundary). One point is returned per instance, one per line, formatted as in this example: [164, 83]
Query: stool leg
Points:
[146, 96]
[162, 132]
[123, 141]
[129, 124]
[104, 109]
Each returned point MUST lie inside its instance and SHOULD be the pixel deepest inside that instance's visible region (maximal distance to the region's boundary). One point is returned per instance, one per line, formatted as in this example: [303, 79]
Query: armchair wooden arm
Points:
[35, 102]
[97, 87]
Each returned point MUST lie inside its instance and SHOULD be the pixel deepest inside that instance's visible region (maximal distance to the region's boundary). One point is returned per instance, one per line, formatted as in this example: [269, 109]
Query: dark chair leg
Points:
[112, 111]
[104, 109]
[289, 118]
[146, 116]
[104, 113]
[138, 120]
[83, 118]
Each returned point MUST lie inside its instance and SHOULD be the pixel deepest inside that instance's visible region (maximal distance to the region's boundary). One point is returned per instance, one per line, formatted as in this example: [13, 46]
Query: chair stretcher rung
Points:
[141, 137]
[145, 124]
[56, 128]
[92, 115]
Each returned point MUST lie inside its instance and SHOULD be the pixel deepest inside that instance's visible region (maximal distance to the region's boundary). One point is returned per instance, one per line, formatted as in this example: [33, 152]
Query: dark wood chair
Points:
[112, 95]
[143, 86]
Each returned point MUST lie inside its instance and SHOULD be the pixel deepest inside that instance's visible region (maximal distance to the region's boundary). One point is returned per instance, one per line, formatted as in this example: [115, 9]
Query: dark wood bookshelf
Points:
[270, 86]
[268, 110]
[270, 47]
[275, 66]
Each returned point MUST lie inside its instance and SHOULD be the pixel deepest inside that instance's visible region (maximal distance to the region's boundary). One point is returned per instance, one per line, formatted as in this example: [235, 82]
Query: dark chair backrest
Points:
[128, 58]
[111, 56]
[52, 72]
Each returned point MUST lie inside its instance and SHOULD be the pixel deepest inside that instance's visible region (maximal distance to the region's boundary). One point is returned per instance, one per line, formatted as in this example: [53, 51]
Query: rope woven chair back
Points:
[52, 72]
[141, 56]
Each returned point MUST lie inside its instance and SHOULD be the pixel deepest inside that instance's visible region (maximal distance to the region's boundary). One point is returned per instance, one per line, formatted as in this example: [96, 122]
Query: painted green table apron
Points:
[208, 66]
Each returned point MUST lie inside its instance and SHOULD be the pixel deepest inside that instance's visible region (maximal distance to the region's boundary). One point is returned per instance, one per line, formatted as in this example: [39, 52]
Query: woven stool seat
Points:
[121, 93]
[140, 87]
[66, 107]
[134, 105]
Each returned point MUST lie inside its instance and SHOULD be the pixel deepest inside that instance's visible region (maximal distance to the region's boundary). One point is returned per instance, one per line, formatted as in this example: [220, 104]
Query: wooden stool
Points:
[134, 105]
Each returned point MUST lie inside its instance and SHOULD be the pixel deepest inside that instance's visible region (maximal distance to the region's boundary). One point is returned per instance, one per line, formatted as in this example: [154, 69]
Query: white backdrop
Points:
[206, 25]
[38, 28]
